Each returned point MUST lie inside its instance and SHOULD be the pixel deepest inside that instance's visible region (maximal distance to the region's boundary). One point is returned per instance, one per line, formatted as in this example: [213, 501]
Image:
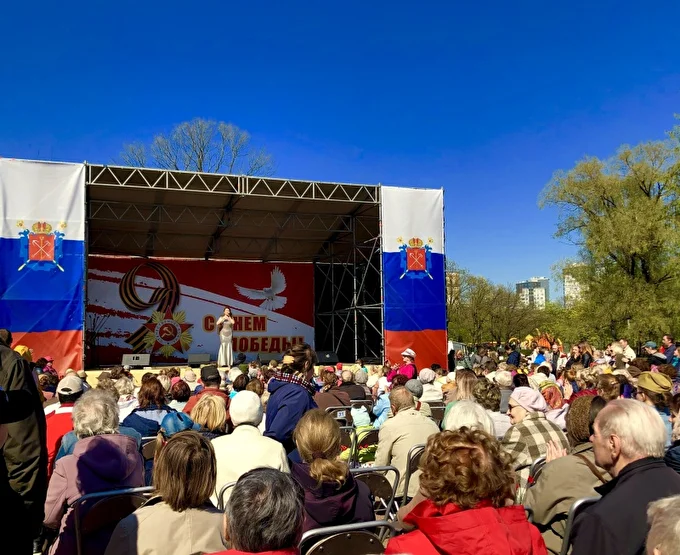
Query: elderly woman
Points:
[102, 460]
[407, 367]
[465, 383]
[432, 389]
[567, 478]
[557, 407]
[245, 448]
[488, 395]
[147, 417]
[465, 501]
[210, 413]
[656, 389]
[180, 518]
[468, 414]
[361, 379]
[530, 433]
[127, 400]
[504, 380]
[332, 496]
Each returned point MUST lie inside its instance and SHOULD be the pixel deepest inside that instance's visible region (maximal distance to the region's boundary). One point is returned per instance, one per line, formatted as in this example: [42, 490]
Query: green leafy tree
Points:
[623, 214]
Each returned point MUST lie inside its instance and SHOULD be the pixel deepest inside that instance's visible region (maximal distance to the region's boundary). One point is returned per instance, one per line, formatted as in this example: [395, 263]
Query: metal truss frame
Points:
[349, 299]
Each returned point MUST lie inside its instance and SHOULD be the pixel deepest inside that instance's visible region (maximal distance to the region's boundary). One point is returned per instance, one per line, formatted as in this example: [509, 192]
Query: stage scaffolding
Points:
[164, 213]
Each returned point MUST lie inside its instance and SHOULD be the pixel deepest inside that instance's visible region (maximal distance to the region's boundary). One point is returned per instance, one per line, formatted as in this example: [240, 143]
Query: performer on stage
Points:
[225, 327]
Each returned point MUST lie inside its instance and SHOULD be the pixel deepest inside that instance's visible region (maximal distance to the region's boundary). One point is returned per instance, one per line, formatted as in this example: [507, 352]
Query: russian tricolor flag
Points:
[413, 274]
[42, 258]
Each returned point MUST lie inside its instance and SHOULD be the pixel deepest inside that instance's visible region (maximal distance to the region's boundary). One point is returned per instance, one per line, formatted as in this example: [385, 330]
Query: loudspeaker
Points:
[195, 359]
[136, 360]
[327, 357]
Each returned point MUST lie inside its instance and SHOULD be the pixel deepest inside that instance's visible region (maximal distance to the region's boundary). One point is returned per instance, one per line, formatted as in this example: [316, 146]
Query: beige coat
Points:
[397, 435]
[242, 450]
[561, 482]
[156, 529]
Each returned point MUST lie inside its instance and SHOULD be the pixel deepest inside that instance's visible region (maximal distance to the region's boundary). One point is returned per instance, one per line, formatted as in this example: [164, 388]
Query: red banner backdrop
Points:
[169, 307]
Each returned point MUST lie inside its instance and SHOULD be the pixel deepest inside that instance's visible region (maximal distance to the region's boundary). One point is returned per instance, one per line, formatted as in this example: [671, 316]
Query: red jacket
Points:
[277, 552]
[448, 530]
[59, 423]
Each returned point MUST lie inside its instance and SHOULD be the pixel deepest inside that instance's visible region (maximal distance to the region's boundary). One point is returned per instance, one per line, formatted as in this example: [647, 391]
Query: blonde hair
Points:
[586, 378]
[210, 412]
[317, 437]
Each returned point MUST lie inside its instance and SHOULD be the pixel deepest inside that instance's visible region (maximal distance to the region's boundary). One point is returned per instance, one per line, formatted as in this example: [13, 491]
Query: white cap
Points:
[409, 353]
[246, 408]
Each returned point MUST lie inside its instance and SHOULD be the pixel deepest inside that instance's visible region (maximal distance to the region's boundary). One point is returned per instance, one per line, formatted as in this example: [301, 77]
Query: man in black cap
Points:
[211, 379]
[23, 465]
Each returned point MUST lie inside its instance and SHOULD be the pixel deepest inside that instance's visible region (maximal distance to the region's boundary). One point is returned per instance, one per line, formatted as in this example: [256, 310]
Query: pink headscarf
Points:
[529, 399]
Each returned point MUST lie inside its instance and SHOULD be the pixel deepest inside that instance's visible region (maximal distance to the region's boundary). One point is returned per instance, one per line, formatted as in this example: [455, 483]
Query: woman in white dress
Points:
[225, 327]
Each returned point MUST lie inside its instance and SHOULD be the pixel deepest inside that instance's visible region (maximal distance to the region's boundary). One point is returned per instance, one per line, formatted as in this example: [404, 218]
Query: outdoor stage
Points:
[163, 252]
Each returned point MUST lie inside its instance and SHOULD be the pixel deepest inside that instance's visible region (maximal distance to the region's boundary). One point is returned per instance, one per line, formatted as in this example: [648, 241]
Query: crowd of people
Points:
[606, 423]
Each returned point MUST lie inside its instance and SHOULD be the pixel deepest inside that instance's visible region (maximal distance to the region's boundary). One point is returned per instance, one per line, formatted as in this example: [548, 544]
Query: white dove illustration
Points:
[269, 295]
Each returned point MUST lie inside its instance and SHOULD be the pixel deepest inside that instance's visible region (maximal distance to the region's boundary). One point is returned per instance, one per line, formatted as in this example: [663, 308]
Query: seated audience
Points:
[245, 448]
[465, 503]
[416, 389]
[146, 418]
[102, 460]
[60, 422]
[488, 395]
[179, 519]
[210, 413]
[468, 414]
[167, 384]
[628, 442]
[432, 389]
[664, 532]
[557, 407]
[565, 479]
[465, 383]
[332, 496]
[530, 433]
[190, 378]
[331, 396]
[655, 390]
[239, 384]
[211, 378]
[264, 515]
[180, 394]
[292, 394]
[354, 392]
[398, 434]
[381, 409]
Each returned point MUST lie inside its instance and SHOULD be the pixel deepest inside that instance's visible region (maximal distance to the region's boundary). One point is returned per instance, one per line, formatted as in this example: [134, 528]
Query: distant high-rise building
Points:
[573, 290]
[534, 292]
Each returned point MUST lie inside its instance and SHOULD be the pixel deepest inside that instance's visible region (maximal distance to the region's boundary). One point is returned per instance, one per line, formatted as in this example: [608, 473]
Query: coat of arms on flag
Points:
[415, 258]
[41, 246]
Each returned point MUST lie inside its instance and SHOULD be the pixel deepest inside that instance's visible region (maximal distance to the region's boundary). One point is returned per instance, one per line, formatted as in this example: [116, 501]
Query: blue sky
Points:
[485, 99]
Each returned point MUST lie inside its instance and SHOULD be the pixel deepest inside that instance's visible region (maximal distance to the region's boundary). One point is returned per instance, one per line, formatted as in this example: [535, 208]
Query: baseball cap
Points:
[175, 422]
[210, 373]
[69, 385]
[650, 345]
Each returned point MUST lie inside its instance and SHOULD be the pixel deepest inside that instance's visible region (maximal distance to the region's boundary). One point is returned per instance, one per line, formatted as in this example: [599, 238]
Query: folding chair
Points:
[414, 454]
[108, 508]
[341, 414]
[371, 438]
[357, 539]
[383, 491]
[348, 437]
[535, 470]
[223, 491]
[576, 509]
[437, 413]
[149, 447]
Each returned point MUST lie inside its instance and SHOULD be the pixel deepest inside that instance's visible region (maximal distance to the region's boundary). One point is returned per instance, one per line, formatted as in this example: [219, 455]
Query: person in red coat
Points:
[465, 505]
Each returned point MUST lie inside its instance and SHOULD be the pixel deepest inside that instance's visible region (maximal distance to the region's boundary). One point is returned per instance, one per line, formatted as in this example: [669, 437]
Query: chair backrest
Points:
[149, 448]
[577, 508]
[365, 440]
[348, 437]
[220, 496]
[438, 413]
[341, 414]
[361, 538]
[414, 454]
[536, 469]
[106, 510]
[382, 489]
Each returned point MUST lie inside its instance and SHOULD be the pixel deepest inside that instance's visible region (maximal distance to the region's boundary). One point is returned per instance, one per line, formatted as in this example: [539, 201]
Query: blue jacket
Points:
[513, 358]
[672, 458]
[381, 409]
[286, 405]
[68, 442]
[147, 421]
